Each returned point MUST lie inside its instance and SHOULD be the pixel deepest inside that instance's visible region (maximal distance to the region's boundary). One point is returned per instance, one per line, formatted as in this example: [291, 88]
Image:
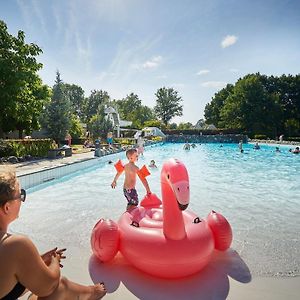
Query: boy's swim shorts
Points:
[131, 196]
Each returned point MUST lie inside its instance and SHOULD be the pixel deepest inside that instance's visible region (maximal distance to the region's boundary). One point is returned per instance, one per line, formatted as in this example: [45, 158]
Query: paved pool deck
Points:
[28, 167]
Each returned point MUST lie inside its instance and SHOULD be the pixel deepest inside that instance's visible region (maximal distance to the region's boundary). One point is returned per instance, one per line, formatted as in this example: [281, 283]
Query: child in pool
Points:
[296, 150]
[131, 170]
[186, 146]
[152, 164]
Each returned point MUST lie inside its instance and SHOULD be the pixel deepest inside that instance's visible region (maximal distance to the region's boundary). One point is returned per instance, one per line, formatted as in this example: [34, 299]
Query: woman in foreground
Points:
[21, 266]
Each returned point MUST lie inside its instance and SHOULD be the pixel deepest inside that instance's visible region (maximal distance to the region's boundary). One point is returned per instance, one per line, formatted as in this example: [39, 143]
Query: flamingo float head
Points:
[174, 174]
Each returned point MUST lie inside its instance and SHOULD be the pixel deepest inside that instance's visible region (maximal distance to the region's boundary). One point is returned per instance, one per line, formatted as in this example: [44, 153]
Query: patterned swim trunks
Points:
[131, 196]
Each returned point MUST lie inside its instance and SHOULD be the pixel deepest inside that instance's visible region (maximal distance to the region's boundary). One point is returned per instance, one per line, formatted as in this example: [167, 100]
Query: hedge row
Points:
[200, 131]
[19, 148]
[293, 138]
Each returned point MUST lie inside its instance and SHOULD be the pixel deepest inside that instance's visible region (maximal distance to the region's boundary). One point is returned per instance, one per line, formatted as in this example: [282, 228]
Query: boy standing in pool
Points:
[131, 170]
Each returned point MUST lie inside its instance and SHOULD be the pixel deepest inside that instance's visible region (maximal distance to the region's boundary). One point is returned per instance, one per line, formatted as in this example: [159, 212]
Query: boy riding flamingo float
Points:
[162, 238]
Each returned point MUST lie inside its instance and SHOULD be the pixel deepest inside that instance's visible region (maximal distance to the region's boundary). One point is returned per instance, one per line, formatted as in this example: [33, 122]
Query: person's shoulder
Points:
[18, 243]
[134, 167]
[20, 239]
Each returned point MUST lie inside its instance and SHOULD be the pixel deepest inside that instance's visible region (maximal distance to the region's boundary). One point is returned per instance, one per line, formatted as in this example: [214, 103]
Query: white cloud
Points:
[214, 84]
[152, 63]
[233, 70]
[126, 62]
[203, 72]
[229, 40]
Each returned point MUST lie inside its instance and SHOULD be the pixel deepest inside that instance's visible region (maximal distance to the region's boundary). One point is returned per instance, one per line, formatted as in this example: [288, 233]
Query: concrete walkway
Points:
[45, 163]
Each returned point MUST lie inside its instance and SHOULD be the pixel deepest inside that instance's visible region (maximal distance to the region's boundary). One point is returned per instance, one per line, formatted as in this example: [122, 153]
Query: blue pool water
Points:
[257, 191]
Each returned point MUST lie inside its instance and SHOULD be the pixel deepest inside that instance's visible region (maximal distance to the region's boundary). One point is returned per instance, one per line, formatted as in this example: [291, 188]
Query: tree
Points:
[168, 104]
[184, 126]
[99, 124]
[173, 126]
[128, 106]
[289, 94]
[58, 113]
[258, 104]
[131, 109]
[212, 109]
[144, 114]
[76, 130]
[154, 123]
[249, 107]
[76, 96]
[22, 94]
[93, 102]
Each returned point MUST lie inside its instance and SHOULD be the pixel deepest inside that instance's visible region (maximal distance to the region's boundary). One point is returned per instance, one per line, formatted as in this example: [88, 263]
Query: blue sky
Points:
[194, 46]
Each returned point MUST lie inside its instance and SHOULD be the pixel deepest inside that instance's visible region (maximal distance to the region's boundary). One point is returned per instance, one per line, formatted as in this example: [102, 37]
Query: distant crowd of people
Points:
[257, 147]
[188, 146]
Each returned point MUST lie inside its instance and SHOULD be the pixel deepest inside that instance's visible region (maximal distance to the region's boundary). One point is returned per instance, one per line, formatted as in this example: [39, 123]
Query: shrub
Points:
[293, 138]
[5, 149]
[125, 141]
[155, 138]
[260, 137]
[38, 147]
[78, 141]
[200, 131]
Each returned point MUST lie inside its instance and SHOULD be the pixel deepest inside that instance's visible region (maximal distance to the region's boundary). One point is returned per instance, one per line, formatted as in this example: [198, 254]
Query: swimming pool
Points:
[257, 191]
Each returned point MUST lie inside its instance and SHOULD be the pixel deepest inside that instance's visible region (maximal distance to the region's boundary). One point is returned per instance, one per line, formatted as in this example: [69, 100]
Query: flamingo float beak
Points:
[182, 192]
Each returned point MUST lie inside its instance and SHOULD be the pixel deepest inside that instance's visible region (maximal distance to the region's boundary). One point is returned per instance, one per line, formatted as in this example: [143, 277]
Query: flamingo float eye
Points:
[178, 189]
[168, 176]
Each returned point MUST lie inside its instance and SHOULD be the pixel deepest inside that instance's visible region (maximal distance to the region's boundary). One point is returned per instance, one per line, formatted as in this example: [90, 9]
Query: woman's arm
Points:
[31, 270]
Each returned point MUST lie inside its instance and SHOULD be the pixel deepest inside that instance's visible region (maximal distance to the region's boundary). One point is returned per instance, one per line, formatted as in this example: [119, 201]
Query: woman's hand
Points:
[53, 253]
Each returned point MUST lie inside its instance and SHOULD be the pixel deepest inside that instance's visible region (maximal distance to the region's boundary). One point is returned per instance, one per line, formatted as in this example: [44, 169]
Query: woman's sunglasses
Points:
[22, 196]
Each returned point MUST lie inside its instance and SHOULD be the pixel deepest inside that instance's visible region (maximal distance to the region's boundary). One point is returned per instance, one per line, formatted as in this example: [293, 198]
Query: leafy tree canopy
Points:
[154, 123]
[94, 101]
[131, 109]
[76, 129]
[183, 126]
[100, 125]
[58, 114]
[22, 94]
[212, 109]
[258, 104]
[75, 94]
[168, 104]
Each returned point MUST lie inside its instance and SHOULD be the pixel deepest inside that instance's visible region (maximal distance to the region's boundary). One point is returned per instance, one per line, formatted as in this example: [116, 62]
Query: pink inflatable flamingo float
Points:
[162, 238]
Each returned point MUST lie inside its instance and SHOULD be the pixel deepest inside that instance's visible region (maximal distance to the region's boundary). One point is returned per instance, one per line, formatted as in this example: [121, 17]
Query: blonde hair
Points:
[8, 181]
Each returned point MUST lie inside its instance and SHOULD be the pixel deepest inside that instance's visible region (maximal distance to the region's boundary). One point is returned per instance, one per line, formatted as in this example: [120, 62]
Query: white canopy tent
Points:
[153, 131]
